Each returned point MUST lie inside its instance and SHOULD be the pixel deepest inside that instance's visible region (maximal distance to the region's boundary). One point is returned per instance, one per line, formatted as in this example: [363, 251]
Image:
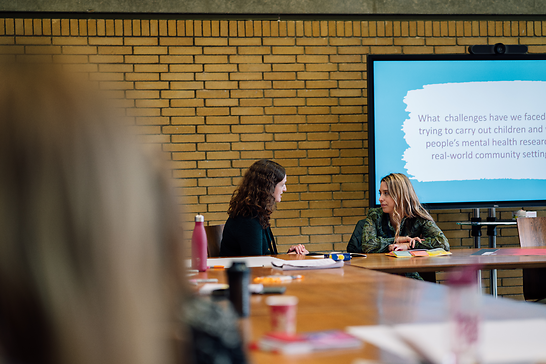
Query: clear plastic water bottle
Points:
[199, 245]
[464, 316]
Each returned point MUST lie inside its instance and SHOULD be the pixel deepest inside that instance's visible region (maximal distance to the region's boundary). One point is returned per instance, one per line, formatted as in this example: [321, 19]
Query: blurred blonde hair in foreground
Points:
[88, 237]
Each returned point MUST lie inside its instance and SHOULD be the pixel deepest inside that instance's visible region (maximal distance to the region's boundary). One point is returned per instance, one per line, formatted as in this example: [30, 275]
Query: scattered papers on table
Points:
[307, 342]
[306, 264]
[485, 252]
[207, 288]
[254, 261]
[418, 253]
[509, 341]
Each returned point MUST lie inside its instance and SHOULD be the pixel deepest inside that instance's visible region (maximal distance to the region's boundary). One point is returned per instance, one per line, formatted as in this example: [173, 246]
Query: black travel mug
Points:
[239, 294]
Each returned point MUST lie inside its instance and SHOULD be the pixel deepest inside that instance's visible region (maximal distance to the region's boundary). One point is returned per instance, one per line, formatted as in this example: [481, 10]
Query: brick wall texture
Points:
[216, 95]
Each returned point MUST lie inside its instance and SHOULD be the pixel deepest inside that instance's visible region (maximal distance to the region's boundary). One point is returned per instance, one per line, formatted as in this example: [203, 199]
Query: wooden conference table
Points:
[458, 258]
[352, 296]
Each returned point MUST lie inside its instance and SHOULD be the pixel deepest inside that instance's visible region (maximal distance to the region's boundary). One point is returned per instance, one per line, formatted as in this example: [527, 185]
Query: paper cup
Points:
[283, 313]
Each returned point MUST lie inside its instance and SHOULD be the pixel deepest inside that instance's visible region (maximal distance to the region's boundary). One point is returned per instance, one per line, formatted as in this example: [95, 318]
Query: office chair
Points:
[214, 238]
[532, 233]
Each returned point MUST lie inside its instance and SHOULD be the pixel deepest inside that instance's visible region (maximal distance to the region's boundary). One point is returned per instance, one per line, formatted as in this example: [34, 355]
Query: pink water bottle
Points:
[199, 245]
[464, 316]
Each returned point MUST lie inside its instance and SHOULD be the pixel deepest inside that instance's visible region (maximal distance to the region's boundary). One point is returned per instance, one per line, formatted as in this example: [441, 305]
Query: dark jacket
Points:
[244, 236]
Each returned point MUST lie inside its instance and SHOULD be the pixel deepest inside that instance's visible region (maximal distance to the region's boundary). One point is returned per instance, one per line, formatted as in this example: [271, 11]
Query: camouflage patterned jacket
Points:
[375, 233]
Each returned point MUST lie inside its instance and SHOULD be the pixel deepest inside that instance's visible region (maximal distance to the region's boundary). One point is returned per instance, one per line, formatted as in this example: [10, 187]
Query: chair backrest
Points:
[532, 233]
[214, 238]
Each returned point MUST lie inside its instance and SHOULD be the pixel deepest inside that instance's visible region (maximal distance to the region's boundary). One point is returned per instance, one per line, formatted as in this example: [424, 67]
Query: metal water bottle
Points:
[239, 293]
[199, 245]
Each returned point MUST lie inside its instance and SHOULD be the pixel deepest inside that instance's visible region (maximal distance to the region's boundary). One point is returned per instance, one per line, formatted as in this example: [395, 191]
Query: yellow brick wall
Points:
[216, 95]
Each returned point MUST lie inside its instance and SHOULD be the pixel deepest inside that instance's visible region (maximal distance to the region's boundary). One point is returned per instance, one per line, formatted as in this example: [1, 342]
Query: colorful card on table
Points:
[400, 254]
[437, 252]
[418, 253]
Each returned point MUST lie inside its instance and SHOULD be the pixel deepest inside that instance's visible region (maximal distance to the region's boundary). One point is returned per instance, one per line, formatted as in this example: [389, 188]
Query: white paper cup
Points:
[283, 313]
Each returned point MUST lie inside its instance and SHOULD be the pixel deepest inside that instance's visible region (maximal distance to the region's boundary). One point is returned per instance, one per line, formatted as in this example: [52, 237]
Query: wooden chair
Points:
[532, 233]
[214, 238]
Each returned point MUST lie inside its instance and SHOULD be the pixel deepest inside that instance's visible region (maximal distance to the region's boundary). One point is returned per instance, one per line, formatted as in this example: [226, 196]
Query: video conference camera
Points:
[498, 48]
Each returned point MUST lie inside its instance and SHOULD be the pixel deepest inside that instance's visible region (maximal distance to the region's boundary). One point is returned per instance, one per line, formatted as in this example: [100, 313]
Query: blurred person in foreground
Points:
[90, 247]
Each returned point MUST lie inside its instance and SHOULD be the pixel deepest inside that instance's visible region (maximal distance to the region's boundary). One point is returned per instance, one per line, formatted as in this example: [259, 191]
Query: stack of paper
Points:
[306, 264]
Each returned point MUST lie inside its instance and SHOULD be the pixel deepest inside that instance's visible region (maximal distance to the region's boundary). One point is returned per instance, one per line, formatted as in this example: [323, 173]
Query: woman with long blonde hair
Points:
[401, 223]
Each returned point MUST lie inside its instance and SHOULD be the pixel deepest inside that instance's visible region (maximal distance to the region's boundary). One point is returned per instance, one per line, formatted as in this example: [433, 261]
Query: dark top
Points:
[214, 334]
[244, 236]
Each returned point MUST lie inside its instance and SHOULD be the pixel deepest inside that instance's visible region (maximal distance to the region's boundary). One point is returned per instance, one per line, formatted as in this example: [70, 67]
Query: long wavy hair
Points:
[406, 202]
[254, 195]
[88, 230]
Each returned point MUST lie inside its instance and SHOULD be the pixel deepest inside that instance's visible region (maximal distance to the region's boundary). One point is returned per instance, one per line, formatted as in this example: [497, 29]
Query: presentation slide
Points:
[462, 131]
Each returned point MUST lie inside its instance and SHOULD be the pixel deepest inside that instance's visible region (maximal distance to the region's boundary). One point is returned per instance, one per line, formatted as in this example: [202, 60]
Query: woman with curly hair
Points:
[247, 230]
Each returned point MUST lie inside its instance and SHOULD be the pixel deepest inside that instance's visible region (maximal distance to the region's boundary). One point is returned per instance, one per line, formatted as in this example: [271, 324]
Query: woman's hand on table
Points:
[297, 249]
[398, 247]
[404, 243]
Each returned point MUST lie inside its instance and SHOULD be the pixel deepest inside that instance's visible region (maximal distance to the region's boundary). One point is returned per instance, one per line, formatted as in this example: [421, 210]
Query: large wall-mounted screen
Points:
[469, 131]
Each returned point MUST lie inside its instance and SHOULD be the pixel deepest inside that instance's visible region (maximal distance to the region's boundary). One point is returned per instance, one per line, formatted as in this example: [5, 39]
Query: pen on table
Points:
[277, 279]
[216, 267]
